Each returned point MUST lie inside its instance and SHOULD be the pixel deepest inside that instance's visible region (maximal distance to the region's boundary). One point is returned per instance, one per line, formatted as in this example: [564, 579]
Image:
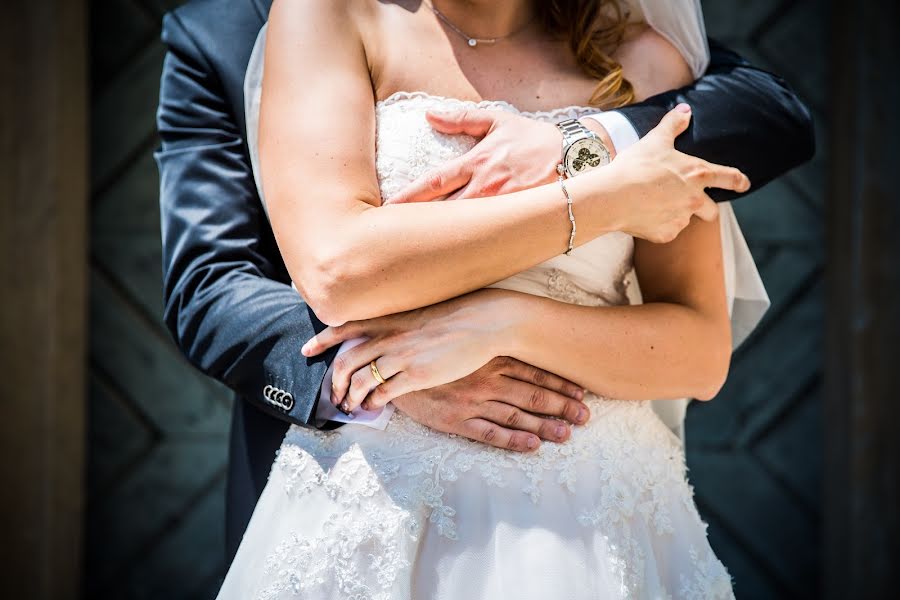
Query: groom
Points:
[228, 299]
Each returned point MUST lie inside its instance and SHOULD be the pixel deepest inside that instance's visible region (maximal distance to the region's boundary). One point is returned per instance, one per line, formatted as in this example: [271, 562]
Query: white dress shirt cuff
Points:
[326, 411]
[620, 130]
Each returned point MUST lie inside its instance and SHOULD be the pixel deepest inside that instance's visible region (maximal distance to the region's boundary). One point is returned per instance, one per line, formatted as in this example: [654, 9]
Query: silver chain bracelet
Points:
[562, 184]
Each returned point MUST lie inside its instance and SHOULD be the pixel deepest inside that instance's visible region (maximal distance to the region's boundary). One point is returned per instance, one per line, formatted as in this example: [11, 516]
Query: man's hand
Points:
[506, 403]
[514, 153]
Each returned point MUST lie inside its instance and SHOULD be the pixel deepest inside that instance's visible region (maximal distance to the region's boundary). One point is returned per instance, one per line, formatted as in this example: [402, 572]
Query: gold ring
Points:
[375, 373]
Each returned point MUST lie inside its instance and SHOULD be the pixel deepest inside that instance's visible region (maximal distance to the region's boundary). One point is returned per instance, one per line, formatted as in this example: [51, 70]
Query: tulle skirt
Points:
[410, 513]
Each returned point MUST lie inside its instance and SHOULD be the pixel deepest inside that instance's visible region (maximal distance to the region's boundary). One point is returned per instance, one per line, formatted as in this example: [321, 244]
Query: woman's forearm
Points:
[638, 352]
[384, 260]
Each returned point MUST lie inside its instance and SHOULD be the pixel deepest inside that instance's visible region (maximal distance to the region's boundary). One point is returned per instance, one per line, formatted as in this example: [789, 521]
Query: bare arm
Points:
[352, 262]
[675, 345]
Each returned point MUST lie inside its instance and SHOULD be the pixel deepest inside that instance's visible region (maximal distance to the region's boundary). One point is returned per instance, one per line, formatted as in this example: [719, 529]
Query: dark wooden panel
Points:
[863, 450]
[43, 176]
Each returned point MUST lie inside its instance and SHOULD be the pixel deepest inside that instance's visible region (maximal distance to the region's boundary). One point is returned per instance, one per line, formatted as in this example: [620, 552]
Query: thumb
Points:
[675, 122]
[475, 122]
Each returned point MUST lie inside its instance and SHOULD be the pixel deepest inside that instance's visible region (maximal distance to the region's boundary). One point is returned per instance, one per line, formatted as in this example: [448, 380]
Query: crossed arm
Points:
[228, 302]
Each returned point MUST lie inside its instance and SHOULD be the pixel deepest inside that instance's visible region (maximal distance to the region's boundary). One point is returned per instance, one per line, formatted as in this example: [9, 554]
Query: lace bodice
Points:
[594, 274]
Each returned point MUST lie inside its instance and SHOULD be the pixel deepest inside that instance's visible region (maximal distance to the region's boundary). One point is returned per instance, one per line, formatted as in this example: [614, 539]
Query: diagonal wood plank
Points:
[128, 106]
[147, 505]
[143, 360]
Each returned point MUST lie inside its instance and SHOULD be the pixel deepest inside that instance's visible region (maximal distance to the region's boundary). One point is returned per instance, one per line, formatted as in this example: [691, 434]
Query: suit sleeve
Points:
[743, 117]
[227, 297]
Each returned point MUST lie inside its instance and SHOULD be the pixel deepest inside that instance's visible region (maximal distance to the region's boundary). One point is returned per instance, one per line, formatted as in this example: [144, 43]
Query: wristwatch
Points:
[582, 149]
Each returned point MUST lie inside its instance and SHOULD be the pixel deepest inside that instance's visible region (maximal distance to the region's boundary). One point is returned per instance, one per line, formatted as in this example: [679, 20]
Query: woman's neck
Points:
[487, 18]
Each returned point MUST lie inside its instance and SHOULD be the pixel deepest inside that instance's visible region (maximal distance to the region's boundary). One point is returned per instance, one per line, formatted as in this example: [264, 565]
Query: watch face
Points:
[584, 155]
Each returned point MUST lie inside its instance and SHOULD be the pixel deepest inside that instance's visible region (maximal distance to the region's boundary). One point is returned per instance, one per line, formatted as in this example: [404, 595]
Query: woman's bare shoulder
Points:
[651, 63]
[345, 15]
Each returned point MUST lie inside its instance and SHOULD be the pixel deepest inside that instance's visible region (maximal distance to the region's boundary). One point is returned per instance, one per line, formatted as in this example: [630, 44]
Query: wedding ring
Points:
[375, 373]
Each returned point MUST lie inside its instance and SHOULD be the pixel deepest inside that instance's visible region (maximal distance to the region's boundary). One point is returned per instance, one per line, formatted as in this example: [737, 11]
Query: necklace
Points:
[471, 41]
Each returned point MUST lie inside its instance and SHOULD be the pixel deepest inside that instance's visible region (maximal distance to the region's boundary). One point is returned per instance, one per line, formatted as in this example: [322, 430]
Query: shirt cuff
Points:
[326, 411]
[620, 130]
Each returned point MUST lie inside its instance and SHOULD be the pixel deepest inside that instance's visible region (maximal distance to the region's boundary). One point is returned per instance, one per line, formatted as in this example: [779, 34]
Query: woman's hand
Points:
[415, 350]
[667, 186]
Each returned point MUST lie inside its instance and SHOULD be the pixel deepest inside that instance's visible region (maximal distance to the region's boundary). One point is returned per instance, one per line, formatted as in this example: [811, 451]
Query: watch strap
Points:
[572, 130]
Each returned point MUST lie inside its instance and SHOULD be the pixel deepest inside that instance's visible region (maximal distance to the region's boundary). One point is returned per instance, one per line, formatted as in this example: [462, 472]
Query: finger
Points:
[398, 385]
[541, 401]
[363, 382]
[511, 417]
[531, 374]
[348, 363]
[332, 336]
[477, 189]
[708, 210]
[726, 178]
[674, 123]
[492, 434]
[475, 122]
[439, 182]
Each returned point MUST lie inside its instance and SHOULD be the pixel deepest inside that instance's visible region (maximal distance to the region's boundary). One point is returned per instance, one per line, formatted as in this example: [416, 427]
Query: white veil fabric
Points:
[680, 22]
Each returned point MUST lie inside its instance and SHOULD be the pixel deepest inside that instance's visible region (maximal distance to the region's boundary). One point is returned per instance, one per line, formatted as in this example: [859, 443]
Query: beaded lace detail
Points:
[377, 493]
[386, 487]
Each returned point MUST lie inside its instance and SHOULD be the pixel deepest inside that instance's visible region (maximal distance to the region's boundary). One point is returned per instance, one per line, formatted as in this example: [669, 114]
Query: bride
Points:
[544, 275]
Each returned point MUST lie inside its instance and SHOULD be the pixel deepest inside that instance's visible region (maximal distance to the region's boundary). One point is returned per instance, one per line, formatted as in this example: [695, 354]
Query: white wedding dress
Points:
[411, 513]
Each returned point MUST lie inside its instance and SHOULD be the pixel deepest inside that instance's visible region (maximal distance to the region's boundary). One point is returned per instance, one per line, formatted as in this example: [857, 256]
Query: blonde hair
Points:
[593, 30]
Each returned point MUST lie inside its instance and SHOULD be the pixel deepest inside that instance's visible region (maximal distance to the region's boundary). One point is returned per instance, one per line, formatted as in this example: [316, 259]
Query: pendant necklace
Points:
[471, 41]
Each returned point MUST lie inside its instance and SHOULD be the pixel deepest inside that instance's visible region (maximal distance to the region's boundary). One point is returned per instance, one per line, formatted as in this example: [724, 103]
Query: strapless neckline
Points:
[552, 113]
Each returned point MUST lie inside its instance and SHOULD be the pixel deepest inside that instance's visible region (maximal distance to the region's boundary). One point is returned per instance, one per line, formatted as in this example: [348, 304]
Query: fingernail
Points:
[582, 415]
[345, 406]
[560, 431]
[531, 443]
[304, 350]
[683, 108]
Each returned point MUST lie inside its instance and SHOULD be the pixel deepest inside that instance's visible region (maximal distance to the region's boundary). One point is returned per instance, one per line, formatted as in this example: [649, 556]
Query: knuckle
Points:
[489, 433]
[548, 429]
[356, 380]
[501, 363]
[379, 394]
[515, 442]
[434, 181]
[340, 364]
[481, 160]
[539, 377]
[491, 385]
[513, 419]
[538, 400]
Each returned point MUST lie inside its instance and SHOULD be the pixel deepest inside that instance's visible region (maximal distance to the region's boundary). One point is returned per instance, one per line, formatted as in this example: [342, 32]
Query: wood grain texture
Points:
[863, 447]
[43, 174]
